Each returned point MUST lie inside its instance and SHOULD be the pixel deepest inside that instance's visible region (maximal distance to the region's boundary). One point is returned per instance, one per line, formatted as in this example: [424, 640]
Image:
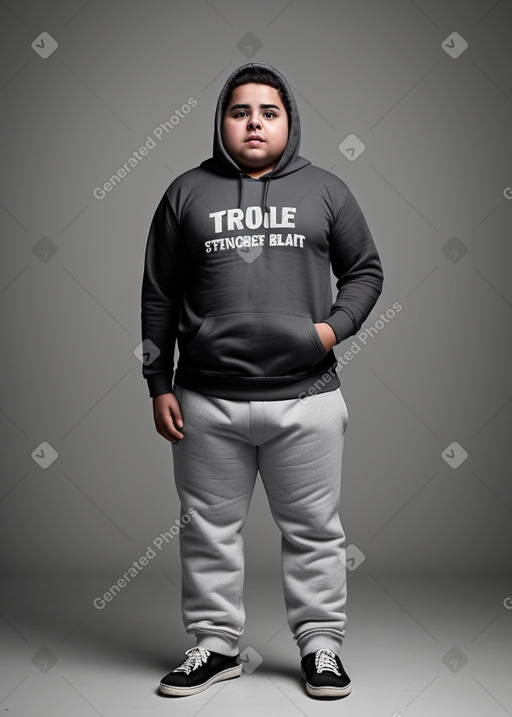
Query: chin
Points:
[255, 162]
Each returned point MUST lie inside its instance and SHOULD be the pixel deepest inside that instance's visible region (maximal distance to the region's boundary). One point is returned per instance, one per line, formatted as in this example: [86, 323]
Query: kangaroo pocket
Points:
[256, 344]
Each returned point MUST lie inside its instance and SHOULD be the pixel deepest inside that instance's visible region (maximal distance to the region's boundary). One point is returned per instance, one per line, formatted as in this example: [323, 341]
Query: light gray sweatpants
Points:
[296, 445]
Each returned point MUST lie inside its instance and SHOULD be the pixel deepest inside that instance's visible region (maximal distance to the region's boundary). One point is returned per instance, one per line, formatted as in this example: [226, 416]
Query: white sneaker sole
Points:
[327, 691]
[219, 677]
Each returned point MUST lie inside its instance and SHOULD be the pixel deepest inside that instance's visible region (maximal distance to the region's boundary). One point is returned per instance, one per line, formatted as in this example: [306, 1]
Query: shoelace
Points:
[325, 661]
[197, 656]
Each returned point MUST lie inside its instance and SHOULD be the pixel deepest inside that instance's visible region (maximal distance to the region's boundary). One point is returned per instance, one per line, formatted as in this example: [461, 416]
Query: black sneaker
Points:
[201, 669]
[324, 674]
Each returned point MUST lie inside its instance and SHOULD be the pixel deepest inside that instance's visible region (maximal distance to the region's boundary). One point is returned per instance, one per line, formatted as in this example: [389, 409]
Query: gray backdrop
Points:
[425, 386]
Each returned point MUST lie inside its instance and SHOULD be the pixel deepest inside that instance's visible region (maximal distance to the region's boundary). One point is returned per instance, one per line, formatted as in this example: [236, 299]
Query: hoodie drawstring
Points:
[264, 206]
[241, 191]
[267, 181]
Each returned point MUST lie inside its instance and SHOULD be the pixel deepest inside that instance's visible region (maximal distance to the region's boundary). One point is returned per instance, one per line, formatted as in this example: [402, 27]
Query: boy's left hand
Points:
[327, 335]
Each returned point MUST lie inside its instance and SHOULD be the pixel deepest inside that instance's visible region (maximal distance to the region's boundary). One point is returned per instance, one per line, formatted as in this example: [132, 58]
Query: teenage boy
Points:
[237, 272]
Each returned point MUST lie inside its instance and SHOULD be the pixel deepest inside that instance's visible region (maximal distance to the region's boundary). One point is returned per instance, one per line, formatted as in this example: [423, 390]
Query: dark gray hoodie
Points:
[237, 272]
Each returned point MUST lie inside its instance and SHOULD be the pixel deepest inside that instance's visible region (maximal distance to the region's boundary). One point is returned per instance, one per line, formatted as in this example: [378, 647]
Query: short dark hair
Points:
[260, 77]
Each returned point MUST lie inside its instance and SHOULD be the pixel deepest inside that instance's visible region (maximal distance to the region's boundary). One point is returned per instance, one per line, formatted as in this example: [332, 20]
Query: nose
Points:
[254, 122]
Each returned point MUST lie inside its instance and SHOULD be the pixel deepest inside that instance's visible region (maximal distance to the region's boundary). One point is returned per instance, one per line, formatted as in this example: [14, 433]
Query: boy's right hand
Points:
[167, 417]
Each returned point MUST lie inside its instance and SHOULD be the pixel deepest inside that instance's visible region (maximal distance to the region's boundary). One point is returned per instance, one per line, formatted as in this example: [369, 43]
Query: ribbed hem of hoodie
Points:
[256, 388]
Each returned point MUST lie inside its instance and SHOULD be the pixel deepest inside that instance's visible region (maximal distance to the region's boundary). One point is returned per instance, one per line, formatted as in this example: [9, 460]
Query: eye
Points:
[269, 114]
[240, 113]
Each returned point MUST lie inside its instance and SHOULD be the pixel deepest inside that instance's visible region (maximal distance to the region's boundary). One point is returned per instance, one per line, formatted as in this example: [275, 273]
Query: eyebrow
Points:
[247, 107]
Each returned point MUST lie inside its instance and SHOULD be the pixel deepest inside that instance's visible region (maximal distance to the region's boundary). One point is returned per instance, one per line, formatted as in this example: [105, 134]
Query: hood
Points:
[290, 160]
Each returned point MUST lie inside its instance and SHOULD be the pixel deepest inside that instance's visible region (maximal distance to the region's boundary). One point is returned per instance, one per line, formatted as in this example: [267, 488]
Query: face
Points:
[255, 128]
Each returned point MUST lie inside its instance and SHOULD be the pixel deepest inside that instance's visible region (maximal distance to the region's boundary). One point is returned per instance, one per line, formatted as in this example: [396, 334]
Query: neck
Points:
[255, 173]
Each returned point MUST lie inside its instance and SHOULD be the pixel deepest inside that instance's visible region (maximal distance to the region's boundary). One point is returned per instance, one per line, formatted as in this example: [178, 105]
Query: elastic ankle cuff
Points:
[217, 642]
[317, 641]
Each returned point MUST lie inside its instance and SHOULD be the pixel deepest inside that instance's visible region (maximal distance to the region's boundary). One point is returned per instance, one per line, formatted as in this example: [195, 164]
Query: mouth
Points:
[254, 138]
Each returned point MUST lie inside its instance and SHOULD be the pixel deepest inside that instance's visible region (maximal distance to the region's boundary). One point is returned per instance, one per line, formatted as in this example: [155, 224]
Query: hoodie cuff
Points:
[342, 325]
[159, 383]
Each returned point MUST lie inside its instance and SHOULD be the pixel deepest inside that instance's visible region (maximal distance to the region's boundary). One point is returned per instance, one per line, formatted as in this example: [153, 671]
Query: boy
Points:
[237, 271]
